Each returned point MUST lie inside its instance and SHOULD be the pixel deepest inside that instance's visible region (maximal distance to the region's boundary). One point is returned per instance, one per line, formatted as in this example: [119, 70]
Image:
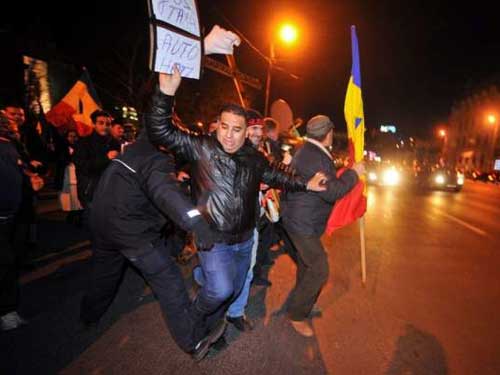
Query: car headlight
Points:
[439, 179]
[460, 180]
[372, 176]
[391, 177]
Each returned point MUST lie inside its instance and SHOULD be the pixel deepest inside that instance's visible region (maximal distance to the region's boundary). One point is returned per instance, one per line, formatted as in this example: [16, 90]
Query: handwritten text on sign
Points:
[173, 49]
[180, 13]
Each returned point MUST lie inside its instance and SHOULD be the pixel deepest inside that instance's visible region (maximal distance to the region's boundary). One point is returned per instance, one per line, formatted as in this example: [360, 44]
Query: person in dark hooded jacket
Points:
[135, 198]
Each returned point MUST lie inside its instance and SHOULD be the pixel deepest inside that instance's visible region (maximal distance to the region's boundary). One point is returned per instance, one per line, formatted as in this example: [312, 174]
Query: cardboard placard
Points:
[175, 37]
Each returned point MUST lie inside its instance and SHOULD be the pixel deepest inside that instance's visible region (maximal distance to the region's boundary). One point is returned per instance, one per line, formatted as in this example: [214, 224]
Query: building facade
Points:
[473, 137]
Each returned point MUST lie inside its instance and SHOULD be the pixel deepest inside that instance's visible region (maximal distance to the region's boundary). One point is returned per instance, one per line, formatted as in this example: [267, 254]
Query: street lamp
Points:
[288, 34]
[492, 120]
[443, 134]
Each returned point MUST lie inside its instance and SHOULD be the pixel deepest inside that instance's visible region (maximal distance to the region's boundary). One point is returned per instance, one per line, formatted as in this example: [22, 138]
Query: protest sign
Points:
[179, 13]
[175, 37]
[173, 48]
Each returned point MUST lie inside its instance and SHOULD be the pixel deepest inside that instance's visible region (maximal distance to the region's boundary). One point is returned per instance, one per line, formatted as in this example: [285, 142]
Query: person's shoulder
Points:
[85, 140]
[6, 145]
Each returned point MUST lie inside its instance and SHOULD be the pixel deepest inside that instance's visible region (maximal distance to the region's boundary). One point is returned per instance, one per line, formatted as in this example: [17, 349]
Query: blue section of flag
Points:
[355, 70]
[358, 121]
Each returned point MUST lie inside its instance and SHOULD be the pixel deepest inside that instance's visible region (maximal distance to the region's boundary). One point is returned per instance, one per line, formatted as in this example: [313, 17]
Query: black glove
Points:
[204, 236]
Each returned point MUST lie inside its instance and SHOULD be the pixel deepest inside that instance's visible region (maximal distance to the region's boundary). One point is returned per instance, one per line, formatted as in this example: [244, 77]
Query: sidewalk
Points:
[55, 237]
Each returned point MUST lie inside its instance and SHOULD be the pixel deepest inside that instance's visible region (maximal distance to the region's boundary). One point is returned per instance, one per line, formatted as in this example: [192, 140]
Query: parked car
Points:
[490, 177]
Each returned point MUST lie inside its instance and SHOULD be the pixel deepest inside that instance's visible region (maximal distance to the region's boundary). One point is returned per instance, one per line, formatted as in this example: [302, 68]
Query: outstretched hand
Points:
[221, 41]
[317, 182]
[169, 83]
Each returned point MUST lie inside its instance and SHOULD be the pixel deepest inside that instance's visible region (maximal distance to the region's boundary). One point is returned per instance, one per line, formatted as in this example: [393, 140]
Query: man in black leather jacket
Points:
[135, 197]
[226, 173]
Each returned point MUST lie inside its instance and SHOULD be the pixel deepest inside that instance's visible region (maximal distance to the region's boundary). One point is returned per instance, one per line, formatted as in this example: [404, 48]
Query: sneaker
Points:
[303, 328]
[241, 323]
[11, 320]
[201, 349]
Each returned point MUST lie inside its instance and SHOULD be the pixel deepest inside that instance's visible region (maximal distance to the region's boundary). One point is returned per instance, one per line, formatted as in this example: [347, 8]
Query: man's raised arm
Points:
[159, 120]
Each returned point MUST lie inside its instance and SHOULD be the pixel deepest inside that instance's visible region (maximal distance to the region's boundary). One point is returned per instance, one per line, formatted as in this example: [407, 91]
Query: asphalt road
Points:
[430, 305]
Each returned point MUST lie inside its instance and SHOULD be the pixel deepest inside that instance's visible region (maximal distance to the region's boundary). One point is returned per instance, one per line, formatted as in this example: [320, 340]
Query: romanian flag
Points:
[353, 205]
[74, 110]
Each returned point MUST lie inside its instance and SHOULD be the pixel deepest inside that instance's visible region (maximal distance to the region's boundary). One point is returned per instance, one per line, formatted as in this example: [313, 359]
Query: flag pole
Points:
[363, 249]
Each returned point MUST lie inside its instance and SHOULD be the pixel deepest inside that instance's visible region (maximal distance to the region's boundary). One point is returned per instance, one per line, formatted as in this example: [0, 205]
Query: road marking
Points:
[464, 223]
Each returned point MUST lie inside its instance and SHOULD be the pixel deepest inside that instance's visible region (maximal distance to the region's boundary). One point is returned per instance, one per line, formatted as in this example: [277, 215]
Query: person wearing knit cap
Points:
[305, 216]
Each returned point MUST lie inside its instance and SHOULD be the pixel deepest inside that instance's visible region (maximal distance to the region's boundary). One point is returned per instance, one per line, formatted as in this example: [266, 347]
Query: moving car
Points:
[385, 174]
[440, 178]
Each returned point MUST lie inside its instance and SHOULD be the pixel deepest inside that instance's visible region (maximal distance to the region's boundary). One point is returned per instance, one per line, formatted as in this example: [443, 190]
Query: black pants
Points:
[312, 275]
[9, 288]
[165, 279]
[266, 237]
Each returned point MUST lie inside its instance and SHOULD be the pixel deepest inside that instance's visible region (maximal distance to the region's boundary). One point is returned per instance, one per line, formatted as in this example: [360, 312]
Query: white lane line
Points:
[464, 223]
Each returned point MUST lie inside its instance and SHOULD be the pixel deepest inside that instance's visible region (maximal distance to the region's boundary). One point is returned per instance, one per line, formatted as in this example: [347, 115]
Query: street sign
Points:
[497, 165]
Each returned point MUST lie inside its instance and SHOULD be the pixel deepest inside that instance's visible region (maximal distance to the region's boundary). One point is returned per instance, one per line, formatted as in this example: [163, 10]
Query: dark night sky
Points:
[417, 57]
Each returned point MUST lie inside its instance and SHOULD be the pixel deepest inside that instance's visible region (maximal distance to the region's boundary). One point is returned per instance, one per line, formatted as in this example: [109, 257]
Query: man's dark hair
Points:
[6, 103]
[253, 114]
[97, 113]
[270, 124]
[117, 121]
[235, 109]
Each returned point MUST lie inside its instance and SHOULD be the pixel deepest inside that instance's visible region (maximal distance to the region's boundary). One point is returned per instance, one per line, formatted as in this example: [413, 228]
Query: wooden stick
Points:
[363, 249]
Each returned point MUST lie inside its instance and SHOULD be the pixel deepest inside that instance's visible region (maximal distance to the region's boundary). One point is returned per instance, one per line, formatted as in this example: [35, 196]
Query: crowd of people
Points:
[234, 192]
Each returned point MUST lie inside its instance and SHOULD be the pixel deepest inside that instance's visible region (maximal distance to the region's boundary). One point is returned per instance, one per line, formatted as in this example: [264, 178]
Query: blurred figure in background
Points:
[15, 178]
[92, 155]
[68, 196]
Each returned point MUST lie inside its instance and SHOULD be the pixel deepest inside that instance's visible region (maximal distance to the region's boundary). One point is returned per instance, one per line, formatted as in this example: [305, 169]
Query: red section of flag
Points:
[348, 209]
[352, 205]
[61, 116]
[83, 129]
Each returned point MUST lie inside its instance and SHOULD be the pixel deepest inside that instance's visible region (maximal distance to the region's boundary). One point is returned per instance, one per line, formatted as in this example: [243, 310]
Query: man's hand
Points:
[287, 158]
[112, 154]
[35, 163]
[359, 168]
[204, 236]
[182, 176]
[317, 182]
[221, 41]
[36, 182]
[169, 83]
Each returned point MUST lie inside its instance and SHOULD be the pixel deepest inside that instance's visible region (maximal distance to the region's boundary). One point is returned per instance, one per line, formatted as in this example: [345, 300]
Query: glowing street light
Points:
[442, 133]
[492, 119]
[288, 33]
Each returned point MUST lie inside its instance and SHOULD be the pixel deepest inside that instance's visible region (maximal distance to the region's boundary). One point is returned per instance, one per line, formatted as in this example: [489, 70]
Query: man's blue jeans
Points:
[237, 308]
[224, 270]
